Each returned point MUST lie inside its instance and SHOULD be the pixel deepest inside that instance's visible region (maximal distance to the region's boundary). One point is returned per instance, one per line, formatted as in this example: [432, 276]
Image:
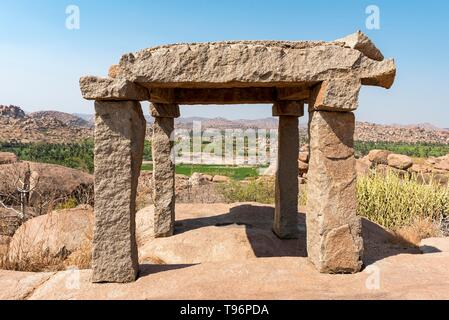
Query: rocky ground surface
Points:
[222, 251]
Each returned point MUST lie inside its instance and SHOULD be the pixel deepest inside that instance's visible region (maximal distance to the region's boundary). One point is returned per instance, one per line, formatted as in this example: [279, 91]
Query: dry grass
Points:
[30, 252]
[82, 258]
[410, 208]
[396, 202]
[260, 190]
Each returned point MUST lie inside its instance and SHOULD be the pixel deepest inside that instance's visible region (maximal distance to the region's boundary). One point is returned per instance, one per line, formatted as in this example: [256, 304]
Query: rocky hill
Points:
[55, 126]
[66, 118]
[366, 131]
[50, 127]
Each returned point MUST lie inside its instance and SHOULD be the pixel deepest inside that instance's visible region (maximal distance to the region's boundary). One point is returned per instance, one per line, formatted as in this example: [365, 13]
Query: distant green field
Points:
[418, 150]
[237, 173]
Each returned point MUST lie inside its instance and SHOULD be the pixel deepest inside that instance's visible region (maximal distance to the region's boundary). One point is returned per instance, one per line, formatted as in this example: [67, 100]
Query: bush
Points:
[259, 190]
[389, 200]
[394, 202]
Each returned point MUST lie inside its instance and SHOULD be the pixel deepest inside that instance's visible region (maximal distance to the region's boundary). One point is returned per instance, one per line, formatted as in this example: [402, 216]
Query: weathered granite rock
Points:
[234, 64]
[399, 161]
[334, 242]
[54, 235]
[288, 108]
[359, 41]
[95, 88]
[197, 179]
[443, 165]
[8, 158]
[119, 139]
[434, 245]
[160, 110]
[113, 71]
[163, 168]
[363, 166]
[336, 95]
[286, 187]
[379, 156]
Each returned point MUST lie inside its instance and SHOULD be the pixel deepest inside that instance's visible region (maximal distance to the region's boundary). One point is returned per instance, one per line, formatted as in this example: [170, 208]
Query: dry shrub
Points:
[32, 251]
[34, 263]
[81, 258]
[395, 202]
[260, 190]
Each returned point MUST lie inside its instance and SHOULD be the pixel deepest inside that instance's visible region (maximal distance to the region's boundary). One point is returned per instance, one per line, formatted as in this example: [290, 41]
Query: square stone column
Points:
[334, 242]
[286, 187]
[119, 141]
[164, 167]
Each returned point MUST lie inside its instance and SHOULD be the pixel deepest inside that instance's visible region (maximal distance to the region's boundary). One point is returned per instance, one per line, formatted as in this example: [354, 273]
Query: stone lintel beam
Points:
[286, 185]
[107, 89]
[336, 95]
[243, 64]
[379, 74]
[288, 108]
[119, 141]
[334, 242]
[165, 110]
[294, 93]
[227, 95]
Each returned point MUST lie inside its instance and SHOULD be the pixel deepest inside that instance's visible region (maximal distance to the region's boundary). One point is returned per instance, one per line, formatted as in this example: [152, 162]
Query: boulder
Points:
[208, 177]
[48, 180]
[55, 235]
[197, 179]
[399, 161]
[379, 156]
[363, 166]
[420, 168]
[220, 179]
[442, 165]
[7, 158]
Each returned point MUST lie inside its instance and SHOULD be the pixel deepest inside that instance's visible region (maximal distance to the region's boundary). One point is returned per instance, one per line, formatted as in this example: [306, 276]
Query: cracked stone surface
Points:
[334, 241]
[342, 66]
[405, 276]
[258, 265]
[119, 141]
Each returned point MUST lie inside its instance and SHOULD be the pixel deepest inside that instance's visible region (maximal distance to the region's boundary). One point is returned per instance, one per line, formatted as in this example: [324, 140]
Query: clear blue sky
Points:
[41, 61]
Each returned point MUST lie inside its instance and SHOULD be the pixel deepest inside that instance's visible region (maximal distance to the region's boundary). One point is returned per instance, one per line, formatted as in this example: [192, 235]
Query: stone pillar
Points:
[286, 187]
[334, 242]
[163, 168]
[119, 140]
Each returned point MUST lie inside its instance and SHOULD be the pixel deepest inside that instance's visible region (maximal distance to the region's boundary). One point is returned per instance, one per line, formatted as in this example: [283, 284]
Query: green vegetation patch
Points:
[237, 173]
[418, 150]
